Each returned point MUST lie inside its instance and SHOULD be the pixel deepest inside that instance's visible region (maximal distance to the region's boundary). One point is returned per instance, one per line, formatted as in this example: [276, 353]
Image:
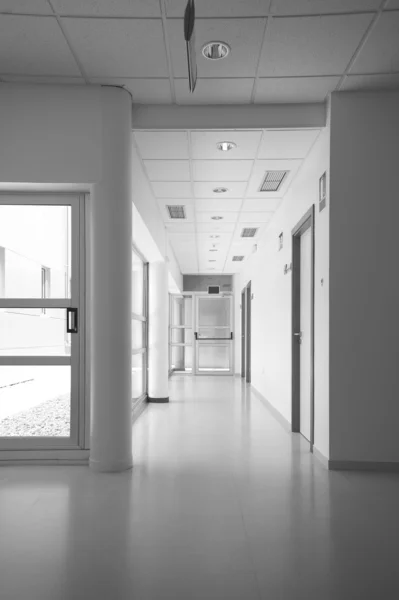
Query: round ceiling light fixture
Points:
[226, 146]
[214, 236]
[220, 190]
[217, 218]
[215, 50]
[211, 260]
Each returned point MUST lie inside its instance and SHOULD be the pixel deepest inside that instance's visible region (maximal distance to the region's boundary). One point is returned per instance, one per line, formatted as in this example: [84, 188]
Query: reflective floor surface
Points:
[222, 504]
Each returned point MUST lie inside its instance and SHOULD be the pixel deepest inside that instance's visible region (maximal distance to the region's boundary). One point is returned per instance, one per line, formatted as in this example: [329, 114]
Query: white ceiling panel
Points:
[393, 4]
[221, 8]
[356, 83]
[294, 89]
[228, 205]
[204, 189]
[114, 8]
[144, 91]
[244, 36]
[162, 144]
[287, 143]
[260, 204]
[215, 227]
[44, 79]
[317, 7]
[168, 170]
[257, 217]
[204, 144]
[228, 217]
[214, 91]
[238, 240]
[34, 46]
[222, 170]
[381, 50]
[180, 227]
[258, 175]
[312, 45]
[171, 189]
[31, 7]
[118, 47]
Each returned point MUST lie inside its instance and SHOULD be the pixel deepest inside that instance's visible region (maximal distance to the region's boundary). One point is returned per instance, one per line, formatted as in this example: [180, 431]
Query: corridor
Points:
[222, 504]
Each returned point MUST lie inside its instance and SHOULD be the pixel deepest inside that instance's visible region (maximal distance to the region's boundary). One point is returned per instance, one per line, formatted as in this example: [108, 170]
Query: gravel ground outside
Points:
[51, 418]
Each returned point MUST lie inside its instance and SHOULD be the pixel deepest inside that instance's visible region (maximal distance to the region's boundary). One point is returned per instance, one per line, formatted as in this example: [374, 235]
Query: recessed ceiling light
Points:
[214, 236]
[226, 146]
[211, 260]
[217, 218]
[213, 250]
[220, 190]
[215, 50]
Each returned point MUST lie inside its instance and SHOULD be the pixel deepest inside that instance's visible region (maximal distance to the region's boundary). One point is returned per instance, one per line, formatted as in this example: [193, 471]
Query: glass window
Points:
[138, 375]
[139, 326]
[138, 285]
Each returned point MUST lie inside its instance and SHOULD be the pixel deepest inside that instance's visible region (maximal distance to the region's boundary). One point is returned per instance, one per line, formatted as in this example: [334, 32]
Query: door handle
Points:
[72, 320]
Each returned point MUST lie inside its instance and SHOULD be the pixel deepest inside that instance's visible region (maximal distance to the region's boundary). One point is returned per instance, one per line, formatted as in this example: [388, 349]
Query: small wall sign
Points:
[280, 241]
[323, 191]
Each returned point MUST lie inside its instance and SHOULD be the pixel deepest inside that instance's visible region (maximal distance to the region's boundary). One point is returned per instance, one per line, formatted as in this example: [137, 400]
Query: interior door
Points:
[305, 332]
[214, 335]
[41, 322]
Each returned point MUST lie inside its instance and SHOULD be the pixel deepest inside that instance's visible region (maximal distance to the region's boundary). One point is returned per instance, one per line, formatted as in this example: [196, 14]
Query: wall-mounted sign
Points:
[323, 191]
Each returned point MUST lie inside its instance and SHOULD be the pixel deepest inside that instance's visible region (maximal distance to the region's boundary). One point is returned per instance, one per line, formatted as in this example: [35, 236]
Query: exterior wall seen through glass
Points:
[139, 326]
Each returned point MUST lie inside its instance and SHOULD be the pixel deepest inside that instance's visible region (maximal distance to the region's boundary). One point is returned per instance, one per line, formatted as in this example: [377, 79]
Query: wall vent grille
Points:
[238, 258]
[273, 181]
[176, 212]
[249, 232]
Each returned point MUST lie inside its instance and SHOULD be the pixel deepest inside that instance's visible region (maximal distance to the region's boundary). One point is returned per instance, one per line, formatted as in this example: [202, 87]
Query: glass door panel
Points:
[41, 316]
[181, 334]
[214, 335]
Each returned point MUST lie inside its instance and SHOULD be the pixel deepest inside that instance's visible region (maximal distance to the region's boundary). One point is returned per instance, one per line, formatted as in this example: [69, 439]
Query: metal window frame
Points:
[144, 320]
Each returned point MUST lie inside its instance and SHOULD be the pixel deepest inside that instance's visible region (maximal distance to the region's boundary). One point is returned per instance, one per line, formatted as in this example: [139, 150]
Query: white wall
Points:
[364, 300]
[271, 306]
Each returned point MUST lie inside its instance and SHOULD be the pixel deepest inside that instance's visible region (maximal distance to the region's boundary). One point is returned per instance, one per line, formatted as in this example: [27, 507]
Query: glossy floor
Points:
[222, 504]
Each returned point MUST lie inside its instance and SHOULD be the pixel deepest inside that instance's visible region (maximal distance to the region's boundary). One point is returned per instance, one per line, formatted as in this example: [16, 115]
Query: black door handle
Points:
[72, 320]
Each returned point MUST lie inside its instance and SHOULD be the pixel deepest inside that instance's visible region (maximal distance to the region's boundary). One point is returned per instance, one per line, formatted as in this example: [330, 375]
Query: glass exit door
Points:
[41, 322]
[214, 335]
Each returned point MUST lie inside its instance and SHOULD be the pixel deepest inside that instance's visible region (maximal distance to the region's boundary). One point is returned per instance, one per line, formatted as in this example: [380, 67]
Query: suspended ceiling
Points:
[281, 50]
[183, 169]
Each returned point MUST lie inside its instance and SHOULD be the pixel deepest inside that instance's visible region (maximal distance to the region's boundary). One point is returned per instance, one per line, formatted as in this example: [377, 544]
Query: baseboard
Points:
[363, 465]
[44, 457]
[276, 413]
[321, 458]
[49, 462]
[158, 400]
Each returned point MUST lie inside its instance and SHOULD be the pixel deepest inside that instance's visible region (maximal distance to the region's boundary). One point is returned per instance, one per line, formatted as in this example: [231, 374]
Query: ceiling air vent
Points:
[249, 232]
[238, 258]
[273, 181]
[176, 212]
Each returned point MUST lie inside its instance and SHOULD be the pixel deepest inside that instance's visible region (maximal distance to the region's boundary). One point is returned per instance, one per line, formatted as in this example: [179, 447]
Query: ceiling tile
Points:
[371, 82]
[222, 170]
[287, 143]
[315, 7]
[162, 144]
[34, 46]
[171, 189]
[312, 45]
[214, 91]
[100, 8]
[180, 228]
[235, 189]
[168, 170]
[228, 217]
[260, 169]
[31, 7]
[221, 8]
[204, 144]
[215, 227]
[261, 204]
[256, 217]
[244, 36]
[43, 79]
[144, 91]
[119, 48]
[393, 4]
[381, 50]
[294, 89]
[229, 204]
[238, 240]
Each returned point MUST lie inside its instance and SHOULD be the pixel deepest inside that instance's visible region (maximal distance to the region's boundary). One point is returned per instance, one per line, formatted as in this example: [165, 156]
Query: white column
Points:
[158, 322]
[111, 291]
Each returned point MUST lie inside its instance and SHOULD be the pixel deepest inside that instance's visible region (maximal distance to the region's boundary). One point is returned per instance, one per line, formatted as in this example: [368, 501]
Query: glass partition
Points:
[139, 326]
[181, 334]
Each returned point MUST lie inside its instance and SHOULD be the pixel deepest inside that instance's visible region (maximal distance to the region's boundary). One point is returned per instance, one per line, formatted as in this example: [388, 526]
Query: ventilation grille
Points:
[176, 212]
[238, 258]
[273, 181]
[249, 232]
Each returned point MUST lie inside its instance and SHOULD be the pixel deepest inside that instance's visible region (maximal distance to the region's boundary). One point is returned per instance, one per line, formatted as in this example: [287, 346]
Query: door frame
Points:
[32, 447]
[243, 331]
[306, 222]
[246, 321]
